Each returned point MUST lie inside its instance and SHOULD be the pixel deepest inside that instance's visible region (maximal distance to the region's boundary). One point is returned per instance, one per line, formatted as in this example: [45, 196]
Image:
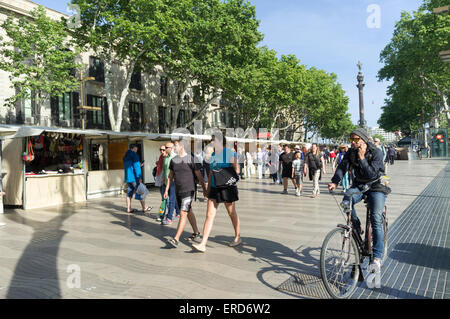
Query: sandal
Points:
[173, 242]
[132, 211]
[235, 243]
[193, 237]
[197, 248]
[149, 208]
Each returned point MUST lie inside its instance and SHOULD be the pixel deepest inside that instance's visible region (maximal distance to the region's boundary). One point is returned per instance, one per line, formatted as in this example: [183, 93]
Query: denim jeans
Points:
[376, 202]
[171, 201]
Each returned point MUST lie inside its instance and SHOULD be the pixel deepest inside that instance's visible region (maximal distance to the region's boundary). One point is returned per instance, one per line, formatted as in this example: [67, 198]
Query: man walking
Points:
[183, 167]
[172, 195]
[133, 177]
[391, 154]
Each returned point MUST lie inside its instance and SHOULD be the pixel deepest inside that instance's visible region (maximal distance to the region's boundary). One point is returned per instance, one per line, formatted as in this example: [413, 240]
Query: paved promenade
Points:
[126, 256]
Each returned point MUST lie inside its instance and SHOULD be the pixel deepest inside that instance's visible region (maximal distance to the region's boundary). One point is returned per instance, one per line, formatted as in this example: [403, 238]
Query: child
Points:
[298, 166]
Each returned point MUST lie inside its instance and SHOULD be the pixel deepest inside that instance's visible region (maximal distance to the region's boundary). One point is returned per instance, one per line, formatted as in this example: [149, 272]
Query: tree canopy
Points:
[421, 81]
[39, 57]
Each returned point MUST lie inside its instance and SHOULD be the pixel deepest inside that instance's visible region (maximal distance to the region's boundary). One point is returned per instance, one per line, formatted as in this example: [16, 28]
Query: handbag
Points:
[28, 156]
[225, 177]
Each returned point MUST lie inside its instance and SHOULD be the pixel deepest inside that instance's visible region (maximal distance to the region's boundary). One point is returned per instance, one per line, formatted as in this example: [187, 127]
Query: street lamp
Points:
[83, 107]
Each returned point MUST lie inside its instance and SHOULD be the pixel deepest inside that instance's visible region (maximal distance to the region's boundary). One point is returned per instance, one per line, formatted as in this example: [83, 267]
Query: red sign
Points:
[439, 137]
[264, 135]
[442, 141]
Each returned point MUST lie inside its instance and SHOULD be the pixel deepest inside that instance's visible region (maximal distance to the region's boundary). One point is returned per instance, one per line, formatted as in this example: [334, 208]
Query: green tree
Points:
[421, 81]
[217, 42]
[39, 56]
[380, 137]
[130, 34]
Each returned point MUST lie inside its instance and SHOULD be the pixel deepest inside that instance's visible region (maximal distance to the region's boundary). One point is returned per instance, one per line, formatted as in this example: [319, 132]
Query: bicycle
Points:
[340, 264]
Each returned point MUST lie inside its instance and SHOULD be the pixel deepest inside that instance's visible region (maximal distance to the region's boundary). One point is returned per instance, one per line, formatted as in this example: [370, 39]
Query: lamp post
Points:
[83, 107]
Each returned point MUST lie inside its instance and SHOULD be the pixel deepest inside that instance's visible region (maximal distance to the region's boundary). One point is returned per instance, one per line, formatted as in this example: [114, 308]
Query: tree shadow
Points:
[36, 272]
[422, 255]
[139, 226]
[280, 259]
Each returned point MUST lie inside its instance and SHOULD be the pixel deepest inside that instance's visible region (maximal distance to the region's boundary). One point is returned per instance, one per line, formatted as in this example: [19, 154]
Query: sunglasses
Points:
[354, 139]
[162, 149]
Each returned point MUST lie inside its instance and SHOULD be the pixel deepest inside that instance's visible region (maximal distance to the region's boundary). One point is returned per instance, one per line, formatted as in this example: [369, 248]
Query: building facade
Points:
[389, 137]
[149, 105]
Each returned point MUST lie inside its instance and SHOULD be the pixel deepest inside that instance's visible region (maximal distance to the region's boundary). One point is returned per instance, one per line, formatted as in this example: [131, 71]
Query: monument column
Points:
[360, 86]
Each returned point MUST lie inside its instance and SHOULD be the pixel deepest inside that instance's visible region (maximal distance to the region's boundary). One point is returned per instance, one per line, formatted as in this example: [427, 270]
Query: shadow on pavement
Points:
[422, 255]
[279, 259]
[36, 272]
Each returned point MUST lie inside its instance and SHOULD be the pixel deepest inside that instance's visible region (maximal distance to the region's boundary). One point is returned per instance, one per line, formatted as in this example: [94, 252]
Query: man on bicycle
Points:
[365, 161]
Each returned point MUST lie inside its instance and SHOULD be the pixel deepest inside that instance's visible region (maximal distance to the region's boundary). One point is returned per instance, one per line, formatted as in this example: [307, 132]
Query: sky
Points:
[332, 35]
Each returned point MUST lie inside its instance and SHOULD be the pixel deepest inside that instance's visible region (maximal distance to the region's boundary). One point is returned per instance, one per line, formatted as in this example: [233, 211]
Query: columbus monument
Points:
[360, 86]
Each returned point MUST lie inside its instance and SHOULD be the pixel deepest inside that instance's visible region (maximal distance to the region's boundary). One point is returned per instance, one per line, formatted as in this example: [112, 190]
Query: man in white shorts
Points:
[183, 168]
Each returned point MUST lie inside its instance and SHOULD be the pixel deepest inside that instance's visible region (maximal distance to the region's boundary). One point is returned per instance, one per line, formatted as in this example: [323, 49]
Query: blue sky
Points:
[328, 34]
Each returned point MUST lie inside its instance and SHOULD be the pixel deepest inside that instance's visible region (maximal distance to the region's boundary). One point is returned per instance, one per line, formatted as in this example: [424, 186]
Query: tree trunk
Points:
[108, 89]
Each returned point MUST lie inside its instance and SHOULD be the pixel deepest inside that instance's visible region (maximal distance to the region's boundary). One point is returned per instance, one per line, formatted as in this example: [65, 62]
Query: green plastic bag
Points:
[162, 208]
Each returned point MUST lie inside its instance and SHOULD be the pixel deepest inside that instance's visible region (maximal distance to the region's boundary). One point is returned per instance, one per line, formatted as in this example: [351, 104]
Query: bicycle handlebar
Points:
[332, 192]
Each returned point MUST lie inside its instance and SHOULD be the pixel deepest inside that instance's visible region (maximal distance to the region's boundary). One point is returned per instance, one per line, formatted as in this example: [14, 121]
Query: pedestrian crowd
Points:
[217, 169]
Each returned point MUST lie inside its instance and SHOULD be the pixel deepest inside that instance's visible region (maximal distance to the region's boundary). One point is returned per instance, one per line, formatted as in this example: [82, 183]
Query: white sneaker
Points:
[297, 193]
[376, 263]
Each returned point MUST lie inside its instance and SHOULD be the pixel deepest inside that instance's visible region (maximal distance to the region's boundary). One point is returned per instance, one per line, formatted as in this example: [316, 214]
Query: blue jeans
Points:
[172, 201]
[376, 202]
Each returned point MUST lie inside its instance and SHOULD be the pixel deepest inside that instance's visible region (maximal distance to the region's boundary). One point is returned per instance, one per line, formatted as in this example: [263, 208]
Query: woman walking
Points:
[221, 158]
[316, 166]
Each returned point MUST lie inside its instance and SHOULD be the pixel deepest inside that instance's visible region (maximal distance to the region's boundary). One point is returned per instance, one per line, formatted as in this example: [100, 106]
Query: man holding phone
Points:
[366, 162]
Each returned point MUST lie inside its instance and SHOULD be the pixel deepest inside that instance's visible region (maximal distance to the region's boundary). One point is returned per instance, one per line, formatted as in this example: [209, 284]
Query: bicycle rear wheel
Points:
[339, 264]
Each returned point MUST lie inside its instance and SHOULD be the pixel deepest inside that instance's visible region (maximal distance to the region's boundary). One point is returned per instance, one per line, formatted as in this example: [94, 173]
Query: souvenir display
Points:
[54, 153]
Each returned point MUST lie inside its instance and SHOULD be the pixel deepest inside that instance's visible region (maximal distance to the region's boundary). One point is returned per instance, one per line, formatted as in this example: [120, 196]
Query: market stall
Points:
[45, 167]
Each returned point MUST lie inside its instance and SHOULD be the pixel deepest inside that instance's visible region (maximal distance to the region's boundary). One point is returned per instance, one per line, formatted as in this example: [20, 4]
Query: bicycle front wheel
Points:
[339, 264]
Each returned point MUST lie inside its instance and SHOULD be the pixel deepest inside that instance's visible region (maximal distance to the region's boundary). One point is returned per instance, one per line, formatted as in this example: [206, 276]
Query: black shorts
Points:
[224, 195]
[287, 172]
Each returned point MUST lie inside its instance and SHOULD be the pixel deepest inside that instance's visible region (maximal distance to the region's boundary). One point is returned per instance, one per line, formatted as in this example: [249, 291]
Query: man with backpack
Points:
[366, 162]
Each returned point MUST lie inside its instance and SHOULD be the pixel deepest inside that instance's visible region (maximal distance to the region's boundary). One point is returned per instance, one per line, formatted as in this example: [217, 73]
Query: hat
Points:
[296, 146]
[362, 133]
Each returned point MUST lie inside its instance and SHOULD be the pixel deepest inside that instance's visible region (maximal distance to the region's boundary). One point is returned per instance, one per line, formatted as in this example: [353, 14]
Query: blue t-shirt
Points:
[221, 160]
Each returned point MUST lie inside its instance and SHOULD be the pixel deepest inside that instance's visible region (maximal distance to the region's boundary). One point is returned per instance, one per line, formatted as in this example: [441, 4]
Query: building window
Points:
[231, 119]
[96, 119]
[136, 81]
[223, 118]
[163, 86]
[136, 113]
[162, 119]
[61, 107]
[97, 69]
[181, 120]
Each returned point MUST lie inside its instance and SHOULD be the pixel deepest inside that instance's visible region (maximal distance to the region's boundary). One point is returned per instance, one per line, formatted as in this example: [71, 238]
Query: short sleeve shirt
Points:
[221, 160]
[183, 169]
[286, 160]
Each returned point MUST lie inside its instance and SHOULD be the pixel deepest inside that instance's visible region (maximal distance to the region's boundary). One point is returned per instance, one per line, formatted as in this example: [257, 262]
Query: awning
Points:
[25, 131]
[5, 131]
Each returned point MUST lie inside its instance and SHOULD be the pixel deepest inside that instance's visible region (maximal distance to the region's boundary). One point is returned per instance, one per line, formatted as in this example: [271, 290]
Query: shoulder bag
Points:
[225, 177]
